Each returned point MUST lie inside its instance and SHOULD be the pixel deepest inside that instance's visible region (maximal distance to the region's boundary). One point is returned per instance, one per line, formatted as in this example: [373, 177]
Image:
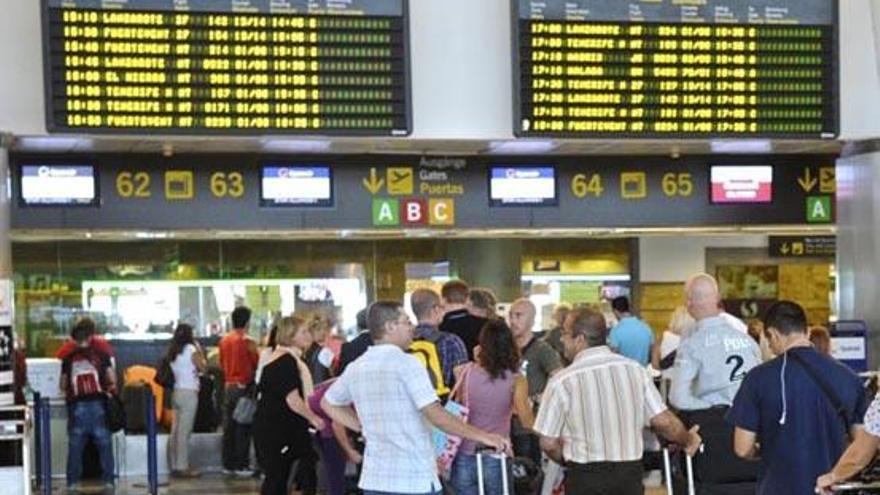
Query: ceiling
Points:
[410, 146]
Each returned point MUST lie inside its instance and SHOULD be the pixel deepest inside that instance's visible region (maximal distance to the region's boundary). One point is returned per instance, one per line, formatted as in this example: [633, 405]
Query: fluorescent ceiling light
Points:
[296, 146]
[51, 143]
[742, 146]
[520, 147]
[152, 235]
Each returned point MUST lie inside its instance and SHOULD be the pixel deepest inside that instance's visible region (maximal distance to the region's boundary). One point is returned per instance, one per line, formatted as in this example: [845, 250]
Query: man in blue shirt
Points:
[782, 415]
[631, 337]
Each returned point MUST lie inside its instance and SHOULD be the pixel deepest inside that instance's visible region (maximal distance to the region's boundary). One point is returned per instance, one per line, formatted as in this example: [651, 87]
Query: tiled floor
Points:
[208, 485]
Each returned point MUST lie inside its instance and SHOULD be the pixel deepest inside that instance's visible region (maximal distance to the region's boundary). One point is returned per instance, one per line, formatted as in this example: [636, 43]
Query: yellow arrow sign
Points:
[784, 248]
[374, 183]
[807, 182]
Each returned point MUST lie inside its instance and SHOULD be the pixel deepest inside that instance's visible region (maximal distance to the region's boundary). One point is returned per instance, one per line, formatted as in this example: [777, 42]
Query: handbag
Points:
[114, 413]
[245, 409]
[164, 374]
[446, 446]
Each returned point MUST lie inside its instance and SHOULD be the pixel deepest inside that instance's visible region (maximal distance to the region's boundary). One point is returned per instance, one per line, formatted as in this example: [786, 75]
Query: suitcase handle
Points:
[491, 452]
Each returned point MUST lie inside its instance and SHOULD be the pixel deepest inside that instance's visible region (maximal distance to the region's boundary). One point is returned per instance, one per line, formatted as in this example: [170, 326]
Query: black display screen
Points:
[666, 68]
[228, 66]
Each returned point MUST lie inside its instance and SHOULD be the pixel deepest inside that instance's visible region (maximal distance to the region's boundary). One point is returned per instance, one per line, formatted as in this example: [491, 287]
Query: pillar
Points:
[492, 263]
[858, 240]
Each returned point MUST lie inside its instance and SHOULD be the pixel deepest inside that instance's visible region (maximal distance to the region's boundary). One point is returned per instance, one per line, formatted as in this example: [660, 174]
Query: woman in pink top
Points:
[493, 390]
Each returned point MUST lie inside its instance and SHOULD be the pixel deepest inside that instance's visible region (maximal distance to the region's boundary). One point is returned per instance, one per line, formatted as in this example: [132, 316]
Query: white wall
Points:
[859, 69]
[461, 70]
[675, 258]
[461, 56]
[21, 68]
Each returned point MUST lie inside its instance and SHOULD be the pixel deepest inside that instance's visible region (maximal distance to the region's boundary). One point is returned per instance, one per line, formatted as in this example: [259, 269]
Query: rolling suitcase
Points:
[717, 464]
[667, 473]
[505, 488]
[207, 413]
[134, 399]
[692, 488]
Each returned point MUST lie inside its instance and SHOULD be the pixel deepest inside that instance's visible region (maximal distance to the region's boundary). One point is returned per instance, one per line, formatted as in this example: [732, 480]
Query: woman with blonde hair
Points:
[318, 356]
[681, 323]
[281, 423]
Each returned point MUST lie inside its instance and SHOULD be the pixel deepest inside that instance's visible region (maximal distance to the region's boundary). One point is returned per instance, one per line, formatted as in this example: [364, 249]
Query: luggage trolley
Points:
[15, 428]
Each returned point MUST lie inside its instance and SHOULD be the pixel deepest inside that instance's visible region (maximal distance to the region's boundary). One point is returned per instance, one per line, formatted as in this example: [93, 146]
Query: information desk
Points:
[243, 66]
[666, 68]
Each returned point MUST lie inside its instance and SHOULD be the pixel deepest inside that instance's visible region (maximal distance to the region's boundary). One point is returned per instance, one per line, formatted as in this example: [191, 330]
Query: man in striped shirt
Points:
[593, 413]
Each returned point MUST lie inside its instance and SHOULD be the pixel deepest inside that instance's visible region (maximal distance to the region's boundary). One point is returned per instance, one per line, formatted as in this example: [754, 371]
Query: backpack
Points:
[425, 350]
[85, 377]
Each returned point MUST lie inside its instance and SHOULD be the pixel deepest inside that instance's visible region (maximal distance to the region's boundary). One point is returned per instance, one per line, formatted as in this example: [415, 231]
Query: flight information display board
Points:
[227, 66]
[673, 68]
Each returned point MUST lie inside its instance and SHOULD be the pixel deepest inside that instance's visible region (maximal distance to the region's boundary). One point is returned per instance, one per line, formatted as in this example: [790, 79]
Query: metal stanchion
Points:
[46, 446]
[38, 436]
[152, 458]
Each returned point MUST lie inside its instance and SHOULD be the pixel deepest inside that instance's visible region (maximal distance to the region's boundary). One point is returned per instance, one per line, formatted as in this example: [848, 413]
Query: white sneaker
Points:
[243, 473]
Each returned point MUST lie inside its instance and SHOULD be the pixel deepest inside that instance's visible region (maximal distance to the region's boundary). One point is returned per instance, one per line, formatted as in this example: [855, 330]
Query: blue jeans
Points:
[86, 419]
[464, 475]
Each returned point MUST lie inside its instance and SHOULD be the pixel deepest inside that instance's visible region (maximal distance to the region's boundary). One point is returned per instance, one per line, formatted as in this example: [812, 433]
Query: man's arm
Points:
[613, 342]
[857, 456]
[672, 429]
[437, 416]
[552, 447]
[683, 376]
[341, 436]
[521, 404]
[343, 415]
[745, 444]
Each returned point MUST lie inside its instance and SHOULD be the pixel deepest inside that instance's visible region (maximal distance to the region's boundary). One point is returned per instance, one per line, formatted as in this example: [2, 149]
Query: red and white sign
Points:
[742, 184]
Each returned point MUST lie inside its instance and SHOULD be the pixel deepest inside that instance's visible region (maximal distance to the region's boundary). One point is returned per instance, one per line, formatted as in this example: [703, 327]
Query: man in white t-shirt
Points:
[396, 406]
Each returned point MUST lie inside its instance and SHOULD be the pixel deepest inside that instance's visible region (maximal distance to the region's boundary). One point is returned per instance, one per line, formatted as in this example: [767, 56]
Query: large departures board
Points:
[676, 68]
[338, 67]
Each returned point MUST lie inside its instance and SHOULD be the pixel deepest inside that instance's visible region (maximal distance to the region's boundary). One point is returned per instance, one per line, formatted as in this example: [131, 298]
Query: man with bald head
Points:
[539, 362]
[710, 364]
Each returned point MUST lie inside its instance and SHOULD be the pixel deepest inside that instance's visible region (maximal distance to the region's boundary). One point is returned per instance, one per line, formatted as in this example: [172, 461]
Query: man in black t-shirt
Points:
[86, 379]
[458, 320]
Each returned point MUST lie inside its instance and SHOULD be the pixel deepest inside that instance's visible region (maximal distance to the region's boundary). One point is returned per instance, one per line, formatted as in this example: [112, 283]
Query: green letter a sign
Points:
[818, 209]
[386, 212]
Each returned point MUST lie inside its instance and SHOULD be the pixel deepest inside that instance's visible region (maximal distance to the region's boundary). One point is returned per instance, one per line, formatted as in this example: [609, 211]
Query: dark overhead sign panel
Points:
[227, 66]
[813, 246]
[666, 68]
[265, 193]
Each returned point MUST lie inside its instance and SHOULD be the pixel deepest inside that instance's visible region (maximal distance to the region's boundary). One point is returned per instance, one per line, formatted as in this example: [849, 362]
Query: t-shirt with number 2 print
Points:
[711, 364]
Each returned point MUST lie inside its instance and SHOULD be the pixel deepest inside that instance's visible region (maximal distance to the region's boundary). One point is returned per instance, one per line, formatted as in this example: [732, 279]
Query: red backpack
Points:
[85, 374]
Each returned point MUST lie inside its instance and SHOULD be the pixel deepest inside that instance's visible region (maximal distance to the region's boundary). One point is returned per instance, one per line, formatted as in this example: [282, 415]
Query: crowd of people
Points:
[575, 401]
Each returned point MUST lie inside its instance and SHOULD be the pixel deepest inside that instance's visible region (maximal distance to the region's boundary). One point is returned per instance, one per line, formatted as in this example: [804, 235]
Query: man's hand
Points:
[498, 442]
[317, 422]
[694, 441]
[825, 482]
[354, 456]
